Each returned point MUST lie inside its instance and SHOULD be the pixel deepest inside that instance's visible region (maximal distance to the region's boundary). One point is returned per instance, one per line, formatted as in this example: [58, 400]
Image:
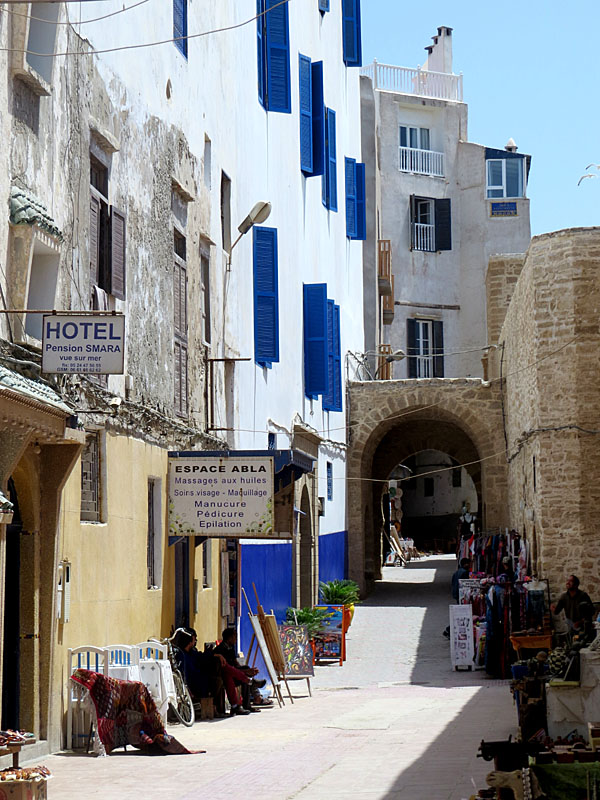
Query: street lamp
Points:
[259, 213]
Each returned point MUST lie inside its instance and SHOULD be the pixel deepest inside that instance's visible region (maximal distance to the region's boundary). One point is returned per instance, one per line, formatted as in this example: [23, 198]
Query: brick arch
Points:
[391, 420]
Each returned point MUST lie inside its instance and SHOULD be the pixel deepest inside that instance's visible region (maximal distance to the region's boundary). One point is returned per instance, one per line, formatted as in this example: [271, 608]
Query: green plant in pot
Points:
[340, 593]
[311, 617]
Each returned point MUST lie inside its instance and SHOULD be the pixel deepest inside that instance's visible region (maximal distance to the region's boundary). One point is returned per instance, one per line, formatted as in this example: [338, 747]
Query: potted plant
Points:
[340, 593]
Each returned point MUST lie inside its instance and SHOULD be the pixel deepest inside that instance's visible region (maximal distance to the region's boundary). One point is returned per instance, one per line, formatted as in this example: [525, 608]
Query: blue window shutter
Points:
[180, 25]
[260, 51]
[330, 175]
[316, 378]
[278, 57]
[438, 348]
[361, 209]
[318, 119]
[306, 134]
[443, 225]
[266, 302]
[328, 396]
[337, 361]
[323, 5]
[350, 169]
[411, 347]
[351, 33]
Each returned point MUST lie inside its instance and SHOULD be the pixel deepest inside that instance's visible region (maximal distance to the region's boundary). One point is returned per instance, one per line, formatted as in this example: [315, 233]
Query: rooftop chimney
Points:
[511, 146]
[439, 54]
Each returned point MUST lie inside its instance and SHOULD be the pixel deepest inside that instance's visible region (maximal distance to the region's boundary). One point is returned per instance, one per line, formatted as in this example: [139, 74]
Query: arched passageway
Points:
[394, 420]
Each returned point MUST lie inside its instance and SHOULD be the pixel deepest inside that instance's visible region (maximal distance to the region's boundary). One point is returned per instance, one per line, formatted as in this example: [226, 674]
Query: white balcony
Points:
[421, 82]
[423, 237]
[421, 162]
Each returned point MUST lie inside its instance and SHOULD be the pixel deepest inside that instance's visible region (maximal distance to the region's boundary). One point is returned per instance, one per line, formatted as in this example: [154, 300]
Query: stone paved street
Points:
[395, 722]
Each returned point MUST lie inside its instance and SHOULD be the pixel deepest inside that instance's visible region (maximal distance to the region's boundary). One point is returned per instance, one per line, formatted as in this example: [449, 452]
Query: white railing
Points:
[423, 237]
[424, 366]
[404, 80]
[423, 162]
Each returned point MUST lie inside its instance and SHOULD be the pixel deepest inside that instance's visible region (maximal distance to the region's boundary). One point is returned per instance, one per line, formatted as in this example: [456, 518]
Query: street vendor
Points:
[571, 603]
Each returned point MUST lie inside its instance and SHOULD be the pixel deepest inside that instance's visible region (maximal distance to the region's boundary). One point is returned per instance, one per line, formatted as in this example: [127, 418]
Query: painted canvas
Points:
[334, 620]
[328, 645]
[297, 651]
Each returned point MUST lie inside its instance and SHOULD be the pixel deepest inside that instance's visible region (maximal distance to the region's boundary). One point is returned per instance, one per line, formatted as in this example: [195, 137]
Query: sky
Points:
[531, 71]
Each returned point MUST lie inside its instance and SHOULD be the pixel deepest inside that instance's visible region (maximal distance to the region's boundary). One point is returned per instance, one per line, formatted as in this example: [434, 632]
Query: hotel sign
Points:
[83, 343]
[228, 496]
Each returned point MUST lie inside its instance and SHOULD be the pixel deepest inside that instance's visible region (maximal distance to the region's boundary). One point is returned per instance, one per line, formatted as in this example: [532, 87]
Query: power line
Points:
[77, 22]
[147, 44]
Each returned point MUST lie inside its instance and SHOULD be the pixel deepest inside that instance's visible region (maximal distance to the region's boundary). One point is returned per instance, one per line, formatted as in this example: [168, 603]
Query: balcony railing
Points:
[384, 266]
[442, 85]
[422, 162]
[423, 237]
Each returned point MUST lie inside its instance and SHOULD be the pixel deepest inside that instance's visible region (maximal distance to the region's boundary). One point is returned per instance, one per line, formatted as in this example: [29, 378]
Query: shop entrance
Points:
[11, 677]
[306, 552]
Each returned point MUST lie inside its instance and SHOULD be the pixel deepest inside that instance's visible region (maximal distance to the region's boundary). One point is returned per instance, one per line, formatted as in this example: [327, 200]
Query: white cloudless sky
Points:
[531, 71]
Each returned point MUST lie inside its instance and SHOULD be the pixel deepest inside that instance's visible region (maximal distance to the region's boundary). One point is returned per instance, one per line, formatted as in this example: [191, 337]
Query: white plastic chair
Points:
[123, 655]
[94, 659]
[153, 651]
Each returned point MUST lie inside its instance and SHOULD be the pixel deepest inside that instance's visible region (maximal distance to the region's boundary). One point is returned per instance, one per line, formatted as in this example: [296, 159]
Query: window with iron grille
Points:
[329, 480]
[180, 350]
[90, 478]
[153, 549]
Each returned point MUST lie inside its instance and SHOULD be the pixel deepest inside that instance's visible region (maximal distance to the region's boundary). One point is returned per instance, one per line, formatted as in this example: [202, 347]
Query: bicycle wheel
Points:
[183, 709]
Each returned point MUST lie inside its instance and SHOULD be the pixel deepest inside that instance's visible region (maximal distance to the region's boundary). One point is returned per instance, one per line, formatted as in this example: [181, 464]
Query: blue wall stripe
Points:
[333, 556]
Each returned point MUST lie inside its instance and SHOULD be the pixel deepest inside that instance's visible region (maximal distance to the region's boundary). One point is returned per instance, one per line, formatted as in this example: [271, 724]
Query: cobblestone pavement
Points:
[394, 723]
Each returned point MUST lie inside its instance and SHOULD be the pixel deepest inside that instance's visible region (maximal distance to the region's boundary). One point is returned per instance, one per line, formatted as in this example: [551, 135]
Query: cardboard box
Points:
[24, 790]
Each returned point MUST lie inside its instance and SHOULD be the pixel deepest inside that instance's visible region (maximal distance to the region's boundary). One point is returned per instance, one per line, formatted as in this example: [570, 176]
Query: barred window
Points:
[90, 478]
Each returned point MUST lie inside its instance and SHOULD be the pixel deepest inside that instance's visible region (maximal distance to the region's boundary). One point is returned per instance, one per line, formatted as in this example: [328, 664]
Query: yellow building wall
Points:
[110, 601]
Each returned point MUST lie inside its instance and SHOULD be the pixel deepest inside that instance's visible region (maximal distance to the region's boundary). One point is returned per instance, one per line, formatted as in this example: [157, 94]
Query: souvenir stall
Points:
[510, 611]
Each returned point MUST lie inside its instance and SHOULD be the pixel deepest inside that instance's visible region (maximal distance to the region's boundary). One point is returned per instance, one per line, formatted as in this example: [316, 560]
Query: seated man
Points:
[228, 649]
[571, 602]
[197, 666]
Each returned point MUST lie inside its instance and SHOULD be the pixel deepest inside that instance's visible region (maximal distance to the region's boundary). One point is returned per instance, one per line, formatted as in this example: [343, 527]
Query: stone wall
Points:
[550, 361]
[501, 278]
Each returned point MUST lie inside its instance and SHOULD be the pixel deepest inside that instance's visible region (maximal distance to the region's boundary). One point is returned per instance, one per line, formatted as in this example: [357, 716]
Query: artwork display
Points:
[297, 650]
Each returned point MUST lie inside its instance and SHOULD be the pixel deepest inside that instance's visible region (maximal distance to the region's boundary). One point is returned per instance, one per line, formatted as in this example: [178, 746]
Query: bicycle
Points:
[183, 707]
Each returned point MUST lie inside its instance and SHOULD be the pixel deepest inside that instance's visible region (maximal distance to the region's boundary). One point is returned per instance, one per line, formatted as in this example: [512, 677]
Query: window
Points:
[271, 441]
[180, 13]
[356, 223]
[180, 350]
[42, 283]
[351, 33]
[205, 297]
[273, 54]
[505, 177]
[329, 180]
[90, 478]
[107, 237]
[322, 356]
[207, 162]
[206, 564]
[329, 480]
[416, 138]
[425, 348]
[226, 212]
[431, 224]
[266, 296]
[323, 5]
[457, 478]
[312, 116]
[428, 487]
[154, 540]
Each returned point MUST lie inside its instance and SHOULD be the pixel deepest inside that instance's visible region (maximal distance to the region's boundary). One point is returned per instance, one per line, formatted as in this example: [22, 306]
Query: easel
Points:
[258, 642]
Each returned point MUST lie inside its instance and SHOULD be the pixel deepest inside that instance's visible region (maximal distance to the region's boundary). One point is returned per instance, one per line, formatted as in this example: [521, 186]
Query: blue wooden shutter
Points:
[330, 175]
[316, 378]
[180, 25]
[443, 225]
[260, 51]
[337, 361]
[351, 33]
[361, 209]
[328, 396]
[318, 119]
[323, 5]
[266, 302]
[306, 124]
[278, 57]
[350, 172]
[411, 346]
[438, 349]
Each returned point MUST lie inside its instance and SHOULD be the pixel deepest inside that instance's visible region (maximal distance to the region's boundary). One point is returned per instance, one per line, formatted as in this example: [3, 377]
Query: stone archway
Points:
[392, 420]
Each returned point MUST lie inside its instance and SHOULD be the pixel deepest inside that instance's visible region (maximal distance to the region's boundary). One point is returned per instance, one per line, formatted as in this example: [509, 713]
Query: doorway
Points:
[11, 661]
[306, 552]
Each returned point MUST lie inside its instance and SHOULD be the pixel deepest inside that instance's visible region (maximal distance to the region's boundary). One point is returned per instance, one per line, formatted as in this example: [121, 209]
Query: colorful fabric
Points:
[127, 714]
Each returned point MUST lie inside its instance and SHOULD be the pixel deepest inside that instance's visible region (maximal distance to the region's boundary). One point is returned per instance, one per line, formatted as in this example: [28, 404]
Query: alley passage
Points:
[394, 722]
